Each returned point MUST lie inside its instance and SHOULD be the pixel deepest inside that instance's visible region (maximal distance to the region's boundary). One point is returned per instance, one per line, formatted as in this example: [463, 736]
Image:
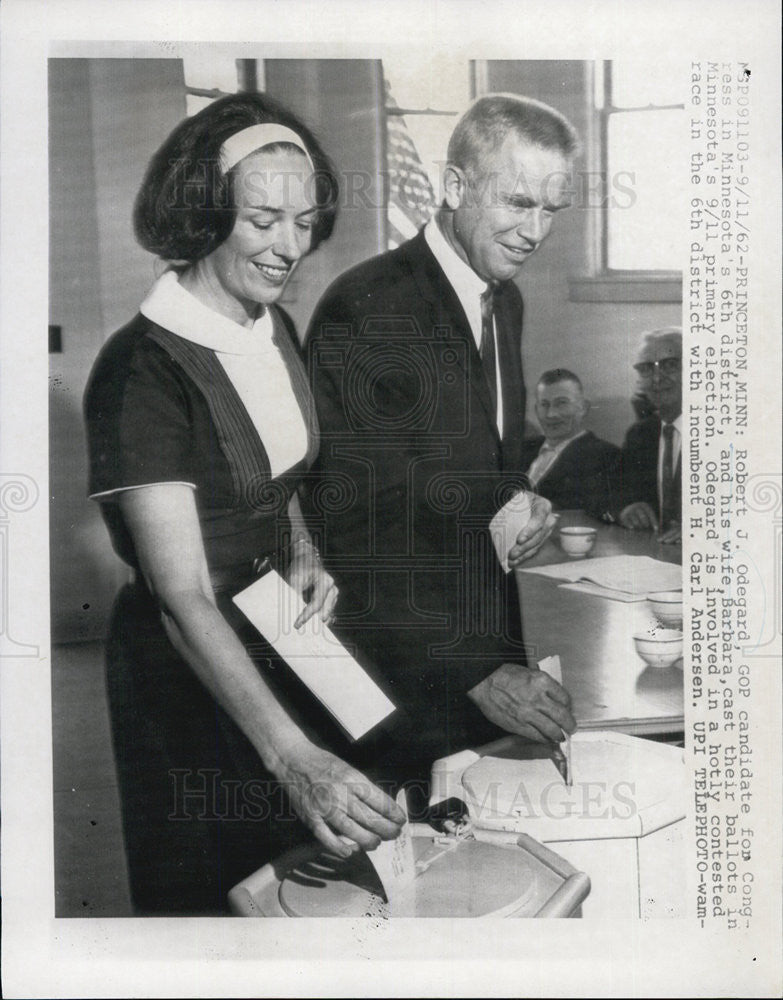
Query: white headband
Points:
[243, 143]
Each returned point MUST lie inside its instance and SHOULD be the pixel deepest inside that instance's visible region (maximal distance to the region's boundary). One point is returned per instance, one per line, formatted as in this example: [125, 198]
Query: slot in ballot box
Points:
[621, 821]
[456, 876]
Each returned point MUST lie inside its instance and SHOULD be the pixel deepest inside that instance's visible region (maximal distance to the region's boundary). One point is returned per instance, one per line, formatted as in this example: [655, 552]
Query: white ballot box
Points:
[456, 876]
[621, 821]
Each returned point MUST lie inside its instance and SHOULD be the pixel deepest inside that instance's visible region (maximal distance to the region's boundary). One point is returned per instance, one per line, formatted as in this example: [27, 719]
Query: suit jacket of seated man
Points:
[411, 471]
[639, 460]
[584, 476]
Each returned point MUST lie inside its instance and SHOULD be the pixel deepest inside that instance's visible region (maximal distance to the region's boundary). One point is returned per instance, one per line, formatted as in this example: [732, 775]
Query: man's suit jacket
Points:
[585, 475]
[410, 473]
[639, 460]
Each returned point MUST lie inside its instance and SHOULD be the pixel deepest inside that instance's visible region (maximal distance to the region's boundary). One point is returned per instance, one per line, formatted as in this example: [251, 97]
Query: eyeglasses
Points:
[669, 366]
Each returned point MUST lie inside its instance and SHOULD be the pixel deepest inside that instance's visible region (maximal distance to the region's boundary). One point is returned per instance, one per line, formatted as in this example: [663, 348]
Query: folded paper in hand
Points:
[507, 524]
[315, 655]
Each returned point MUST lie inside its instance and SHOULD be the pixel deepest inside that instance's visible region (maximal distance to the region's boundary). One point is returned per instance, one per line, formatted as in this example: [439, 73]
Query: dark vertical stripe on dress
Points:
[238, 436]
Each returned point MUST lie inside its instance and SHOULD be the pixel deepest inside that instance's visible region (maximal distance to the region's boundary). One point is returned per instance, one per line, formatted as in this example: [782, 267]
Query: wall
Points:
[340, 99]
[596, 340]
[106, 117]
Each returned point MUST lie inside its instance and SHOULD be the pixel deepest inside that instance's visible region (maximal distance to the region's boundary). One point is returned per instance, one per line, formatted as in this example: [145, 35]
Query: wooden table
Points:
[611, 687]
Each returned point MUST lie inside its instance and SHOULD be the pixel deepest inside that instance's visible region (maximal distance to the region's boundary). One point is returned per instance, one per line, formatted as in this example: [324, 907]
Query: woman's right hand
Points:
[337, 802]
[342, 807]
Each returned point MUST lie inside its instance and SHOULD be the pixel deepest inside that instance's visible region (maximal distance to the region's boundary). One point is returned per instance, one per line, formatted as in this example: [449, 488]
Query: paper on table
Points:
[395, 866]
[585, 587]
[507, 524]
[315, 655]
[627, 574]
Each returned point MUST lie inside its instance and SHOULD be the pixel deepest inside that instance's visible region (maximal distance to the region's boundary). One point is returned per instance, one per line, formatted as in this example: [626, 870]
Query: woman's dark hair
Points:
[185, 207]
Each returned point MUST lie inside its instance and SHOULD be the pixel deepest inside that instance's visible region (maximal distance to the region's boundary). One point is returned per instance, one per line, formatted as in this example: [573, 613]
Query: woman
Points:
[200, 428]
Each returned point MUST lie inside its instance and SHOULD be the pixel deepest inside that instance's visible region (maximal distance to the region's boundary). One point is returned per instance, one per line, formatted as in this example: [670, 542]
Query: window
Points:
[209, 75]
[639, 130]
[422, 103]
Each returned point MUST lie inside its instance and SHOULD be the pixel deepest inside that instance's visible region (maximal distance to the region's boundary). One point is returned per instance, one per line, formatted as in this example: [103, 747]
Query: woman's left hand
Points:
[308, 577]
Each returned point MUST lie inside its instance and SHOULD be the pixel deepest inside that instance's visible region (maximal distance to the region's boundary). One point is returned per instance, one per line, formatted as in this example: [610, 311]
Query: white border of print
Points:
[174, 957]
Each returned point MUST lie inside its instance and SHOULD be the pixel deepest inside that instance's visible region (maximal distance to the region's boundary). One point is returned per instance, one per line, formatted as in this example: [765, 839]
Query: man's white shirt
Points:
[469, 288]
[676, 445]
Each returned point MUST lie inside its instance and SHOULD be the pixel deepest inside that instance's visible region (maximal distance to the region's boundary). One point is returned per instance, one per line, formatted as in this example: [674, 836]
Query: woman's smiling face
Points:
[273, 195]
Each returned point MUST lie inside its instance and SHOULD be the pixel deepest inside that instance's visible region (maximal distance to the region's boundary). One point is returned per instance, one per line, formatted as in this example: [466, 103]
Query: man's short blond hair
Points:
[482, 129]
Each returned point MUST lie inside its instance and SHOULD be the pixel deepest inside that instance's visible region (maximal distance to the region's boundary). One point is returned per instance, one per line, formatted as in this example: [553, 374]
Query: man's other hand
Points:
[638, 517]
[535, 533]
[526, 702]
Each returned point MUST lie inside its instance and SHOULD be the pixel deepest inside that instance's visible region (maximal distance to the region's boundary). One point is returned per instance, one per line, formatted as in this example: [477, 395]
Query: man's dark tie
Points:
[669, 512]
[487, 350]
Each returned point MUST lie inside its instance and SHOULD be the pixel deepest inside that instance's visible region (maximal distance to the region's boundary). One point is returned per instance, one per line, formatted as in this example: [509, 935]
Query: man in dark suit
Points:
[567, 464]
[415, 366]
[651, 483]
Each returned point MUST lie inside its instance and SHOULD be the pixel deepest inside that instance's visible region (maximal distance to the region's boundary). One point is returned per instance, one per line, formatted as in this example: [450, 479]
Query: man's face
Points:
[560, 409]
[504, 213]
[659, 371]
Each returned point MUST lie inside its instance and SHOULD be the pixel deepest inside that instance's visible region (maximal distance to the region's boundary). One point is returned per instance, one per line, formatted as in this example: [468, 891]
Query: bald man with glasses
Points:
[651, 484]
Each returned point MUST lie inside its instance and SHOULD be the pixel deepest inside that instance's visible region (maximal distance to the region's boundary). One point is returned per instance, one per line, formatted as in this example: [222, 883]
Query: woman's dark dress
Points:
[199, 810]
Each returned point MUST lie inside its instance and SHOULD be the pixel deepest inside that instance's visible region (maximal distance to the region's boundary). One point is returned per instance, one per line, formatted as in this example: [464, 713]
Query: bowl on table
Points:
[667, 607]
[659, 647]
[577, 542]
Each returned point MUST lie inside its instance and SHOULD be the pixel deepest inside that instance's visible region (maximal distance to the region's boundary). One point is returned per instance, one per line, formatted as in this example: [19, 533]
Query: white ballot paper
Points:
[551, 665]
[507, 524]
[315, 655]
[395, 866]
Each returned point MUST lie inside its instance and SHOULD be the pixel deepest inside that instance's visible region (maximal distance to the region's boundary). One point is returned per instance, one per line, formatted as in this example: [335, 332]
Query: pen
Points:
[562, 761]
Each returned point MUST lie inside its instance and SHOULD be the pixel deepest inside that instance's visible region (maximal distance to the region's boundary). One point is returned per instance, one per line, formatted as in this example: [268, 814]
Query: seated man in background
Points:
[569, 465]
[651, 485]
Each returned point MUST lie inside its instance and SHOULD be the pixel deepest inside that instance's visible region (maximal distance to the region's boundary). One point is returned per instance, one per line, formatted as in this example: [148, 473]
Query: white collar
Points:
[561, 445]
[676, 424]
[463, 279]
[174, 308]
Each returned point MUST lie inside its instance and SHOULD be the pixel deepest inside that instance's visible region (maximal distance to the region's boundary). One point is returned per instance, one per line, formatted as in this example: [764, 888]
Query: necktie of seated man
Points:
[487, 349]
[668, 510]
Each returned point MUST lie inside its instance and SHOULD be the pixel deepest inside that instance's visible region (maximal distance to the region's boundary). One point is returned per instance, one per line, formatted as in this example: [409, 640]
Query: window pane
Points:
[647, 190]
[208, 70]
[636, 84]
[430, 135]
[440, 84]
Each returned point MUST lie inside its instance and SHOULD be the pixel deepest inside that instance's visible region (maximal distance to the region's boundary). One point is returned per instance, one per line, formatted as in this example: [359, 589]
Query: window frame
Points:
[395, 111]
[605, 284]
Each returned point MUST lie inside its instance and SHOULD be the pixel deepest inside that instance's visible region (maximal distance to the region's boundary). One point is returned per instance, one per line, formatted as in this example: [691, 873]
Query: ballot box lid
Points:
[622, 786]
[468, 878]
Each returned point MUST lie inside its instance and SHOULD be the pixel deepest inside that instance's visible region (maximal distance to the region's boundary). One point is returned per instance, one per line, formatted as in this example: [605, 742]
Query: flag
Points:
[411, 200]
